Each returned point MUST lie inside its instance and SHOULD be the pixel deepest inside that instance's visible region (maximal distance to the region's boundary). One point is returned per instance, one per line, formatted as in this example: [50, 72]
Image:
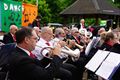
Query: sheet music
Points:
[109, 66]
[96, 60]
[89, 46]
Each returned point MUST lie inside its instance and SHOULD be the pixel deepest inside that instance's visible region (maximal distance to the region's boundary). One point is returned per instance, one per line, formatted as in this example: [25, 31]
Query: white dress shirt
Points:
[54, 42]
[39, 47]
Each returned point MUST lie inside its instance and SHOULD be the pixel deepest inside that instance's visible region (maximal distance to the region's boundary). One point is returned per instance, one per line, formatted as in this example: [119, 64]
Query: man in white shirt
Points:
[41, 53]
[46, 36]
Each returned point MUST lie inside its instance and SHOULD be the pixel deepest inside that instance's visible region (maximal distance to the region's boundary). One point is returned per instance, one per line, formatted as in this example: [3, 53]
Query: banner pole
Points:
[37, 2]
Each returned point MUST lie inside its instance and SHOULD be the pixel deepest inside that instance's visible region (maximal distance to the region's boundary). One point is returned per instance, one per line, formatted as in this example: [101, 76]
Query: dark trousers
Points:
[72, 69]
[80, 65]
[64, 74]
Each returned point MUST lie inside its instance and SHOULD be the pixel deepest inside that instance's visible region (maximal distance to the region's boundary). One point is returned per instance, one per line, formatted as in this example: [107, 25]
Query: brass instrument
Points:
[65, 51]
[75, 54]
[83, 31]
[88, 34]
[79, 46]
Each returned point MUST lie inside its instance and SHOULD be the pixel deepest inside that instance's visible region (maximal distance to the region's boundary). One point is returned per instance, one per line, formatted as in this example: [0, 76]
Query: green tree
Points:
[56, 7]
[44, 11]
[27, 1]
[117, 3]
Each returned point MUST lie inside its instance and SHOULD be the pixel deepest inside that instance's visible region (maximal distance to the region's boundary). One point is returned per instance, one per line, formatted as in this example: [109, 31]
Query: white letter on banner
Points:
[19, 8]
[11, 7]
[5, 6]
[15, 8]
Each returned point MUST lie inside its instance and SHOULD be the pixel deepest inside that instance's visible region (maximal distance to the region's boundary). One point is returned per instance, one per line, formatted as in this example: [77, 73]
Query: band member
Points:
[10, 37]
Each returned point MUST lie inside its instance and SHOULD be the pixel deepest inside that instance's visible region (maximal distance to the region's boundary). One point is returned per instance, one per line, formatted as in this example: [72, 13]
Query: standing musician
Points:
[10, 37]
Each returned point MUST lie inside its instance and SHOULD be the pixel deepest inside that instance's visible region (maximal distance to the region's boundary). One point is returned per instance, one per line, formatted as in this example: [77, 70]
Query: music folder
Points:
[91, 45]
[104, 63]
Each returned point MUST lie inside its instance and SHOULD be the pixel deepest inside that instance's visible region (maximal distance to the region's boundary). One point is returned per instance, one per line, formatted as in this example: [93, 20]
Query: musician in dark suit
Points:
[80, 63]
[24, 66]
[109, 41]
[9, 37]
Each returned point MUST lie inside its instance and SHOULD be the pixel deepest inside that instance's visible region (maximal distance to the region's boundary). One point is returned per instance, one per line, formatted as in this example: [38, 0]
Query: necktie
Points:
[83, 26]
[77, 39]
[48, 43]
[32, 55]
[14, 38]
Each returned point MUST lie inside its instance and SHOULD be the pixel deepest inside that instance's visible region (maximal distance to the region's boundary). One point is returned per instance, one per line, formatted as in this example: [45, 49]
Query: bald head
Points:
[13, 29]
[37, 29]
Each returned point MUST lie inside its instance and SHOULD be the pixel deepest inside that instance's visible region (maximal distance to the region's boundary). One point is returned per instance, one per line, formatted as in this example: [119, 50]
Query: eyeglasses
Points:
[66, 29]
[62, 33]
[35, 38]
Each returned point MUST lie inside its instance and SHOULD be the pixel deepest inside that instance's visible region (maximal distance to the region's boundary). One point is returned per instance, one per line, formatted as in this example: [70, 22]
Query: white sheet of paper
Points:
[1, 37]
[109, 65]
[89, 46]
[96, 60]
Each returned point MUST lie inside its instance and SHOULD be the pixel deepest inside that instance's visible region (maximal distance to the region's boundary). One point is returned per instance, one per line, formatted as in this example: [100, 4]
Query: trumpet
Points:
[79, 46]
[75, 54]
[45, 47]
[65, 51]
[84, 31]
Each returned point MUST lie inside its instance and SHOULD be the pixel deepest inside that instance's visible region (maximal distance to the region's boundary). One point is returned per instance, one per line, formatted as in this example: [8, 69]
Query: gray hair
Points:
[74, 29]
[58, 31]
[44, 29]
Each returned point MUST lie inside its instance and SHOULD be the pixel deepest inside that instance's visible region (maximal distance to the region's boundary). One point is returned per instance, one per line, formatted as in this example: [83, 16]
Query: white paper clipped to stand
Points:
[96, 60]
[109, 66]
[89, 46]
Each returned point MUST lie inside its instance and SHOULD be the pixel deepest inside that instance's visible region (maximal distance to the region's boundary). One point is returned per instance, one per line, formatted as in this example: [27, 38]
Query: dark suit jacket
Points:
[79, 38]
[116, 48]
[106, 46]
[23, 67]
[8, 38]
[79, 26]
[72, 38]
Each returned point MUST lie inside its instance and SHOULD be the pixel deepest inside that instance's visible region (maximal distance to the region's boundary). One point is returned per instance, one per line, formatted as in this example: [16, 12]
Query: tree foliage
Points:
[116, 3]
[44, 11]
[56, 7]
